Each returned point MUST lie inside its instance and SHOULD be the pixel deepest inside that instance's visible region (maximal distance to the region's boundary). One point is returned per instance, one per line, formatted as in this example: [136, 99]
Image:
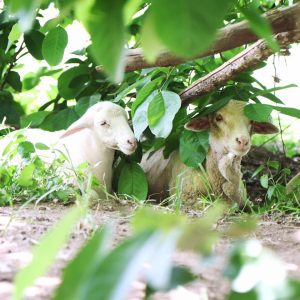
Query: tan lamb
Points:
[229, 139]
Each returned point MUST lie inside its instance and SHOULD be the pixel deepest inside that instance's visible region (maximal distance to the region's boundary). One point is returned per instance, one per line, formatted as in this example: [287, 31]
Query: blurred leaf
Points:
[25, 11]
[84, 103]
[34, 119]
[147, 218]
[151, 44]
[133, 182]
[264, 181]
[66, 78]
[61, 120]
[188, 27]
[130, 8]
[259, 24]
[242, 227]
[161, 112]
[258, 112]
[193, 147]
[33, 41]
[25, 177]
[101, 17]
[14, 34]
[54, 45]
[25, 149]
[41, 146]
[79, 271]
[257, 171]
[14, 80]
[46, 250]
[30, 81]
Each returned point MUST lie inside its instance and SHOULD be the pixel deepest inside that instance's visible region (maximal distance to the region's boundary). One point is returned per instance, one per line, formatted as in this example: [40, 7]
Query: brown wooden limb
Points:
[229, 37]
[245, 60]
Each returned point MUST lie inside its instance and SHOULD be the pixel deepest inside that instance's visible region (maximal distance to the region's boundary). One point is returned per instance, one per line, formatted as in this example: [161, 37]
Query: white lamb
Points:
[229, 138]
[93, 138]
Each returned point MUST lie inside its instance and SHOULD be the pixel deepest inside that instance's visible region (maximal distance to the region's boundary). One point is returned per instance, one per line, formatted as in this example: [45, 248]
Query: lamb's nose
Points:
[242, 141]
[131, 142]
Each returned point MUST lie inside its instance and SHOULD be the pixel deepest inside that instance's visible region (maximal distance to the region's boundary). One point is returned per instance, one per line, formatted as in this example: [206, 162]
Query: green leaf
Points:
[14, 80]
[188, 27]
[79, 271]
[41, 146]
[104, 21]
[258, 112]
[34, 41]
[133, 182]
[259, 24]
[84, 103]
[290, 111]
[65, 80]
[156, 110]
[151, 44]
[264, 181]
[54, 45]
[145, 92]
[14, 34]
[25, 11]
[140, 120]
[193, 147]
[46, 250]
[62, 120]
[25, 177]
[25, 149]
[35, 119]
[161, 112]
[114, 275]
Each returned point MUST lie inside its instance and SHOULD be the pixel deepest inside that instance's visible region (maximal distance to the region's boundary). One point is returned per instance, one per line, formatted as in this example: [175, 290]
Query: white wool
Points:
[93, 139]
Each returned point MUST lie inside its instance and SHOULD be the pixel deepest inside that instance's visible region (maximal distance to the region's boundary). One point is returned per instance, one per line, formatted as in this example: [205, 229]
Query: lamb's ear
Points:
[86, 121]
[198, 124]
[263, 127]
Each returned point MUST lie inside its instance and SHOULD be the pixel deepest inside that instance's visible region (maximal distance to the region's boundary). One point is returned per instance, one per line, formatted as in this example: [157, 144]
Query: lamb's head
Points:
[110, 125]
[229, 129]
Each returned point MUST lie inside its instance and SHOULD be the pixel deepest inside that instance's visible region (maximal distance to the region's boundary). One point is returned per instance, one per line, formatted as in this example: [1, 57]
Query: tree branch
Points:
[247, 59]
[232, 36]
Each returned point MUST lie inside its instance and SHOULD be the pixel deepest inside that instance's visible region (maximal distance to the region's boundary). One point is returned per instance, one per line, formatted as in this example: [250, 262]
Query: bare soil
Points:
[21, 229]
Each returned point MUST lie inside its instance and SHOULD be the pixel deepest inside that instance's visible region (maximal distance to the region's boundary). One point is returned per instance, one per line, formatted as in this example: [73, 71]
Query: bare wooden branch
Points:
[232, 36]
[245, 60]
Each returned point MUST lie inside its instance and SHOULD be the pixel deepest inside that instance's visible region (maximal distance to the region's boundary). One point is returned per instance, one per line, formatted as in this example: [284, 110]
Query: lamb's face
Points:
[112, 128]
[230, 129]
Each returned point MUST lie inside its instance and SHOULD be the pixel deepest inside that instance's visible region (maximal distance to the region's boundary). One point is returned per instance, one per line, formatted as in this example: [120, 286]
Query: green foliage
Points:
[133, 182]
[54, 45]
[185, 26]
[31, 179]
[193, 147]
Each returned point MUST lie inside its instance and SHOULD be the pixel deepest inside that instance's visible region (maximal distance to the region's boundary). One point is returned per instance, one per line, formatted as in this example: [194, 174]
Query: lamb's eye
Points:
[219, 118]
[104, 123]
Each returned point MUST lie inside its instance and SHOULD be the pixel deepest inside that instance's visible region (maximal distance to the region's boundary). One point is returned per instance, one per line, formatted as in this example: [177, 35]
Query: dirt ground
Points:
[21, 230]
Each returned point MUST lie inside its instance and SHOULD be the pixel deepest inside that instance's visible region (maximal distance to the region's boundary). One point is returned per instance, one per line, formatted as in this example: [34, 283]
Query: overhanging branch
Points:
[232, 36]
[245, 60]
